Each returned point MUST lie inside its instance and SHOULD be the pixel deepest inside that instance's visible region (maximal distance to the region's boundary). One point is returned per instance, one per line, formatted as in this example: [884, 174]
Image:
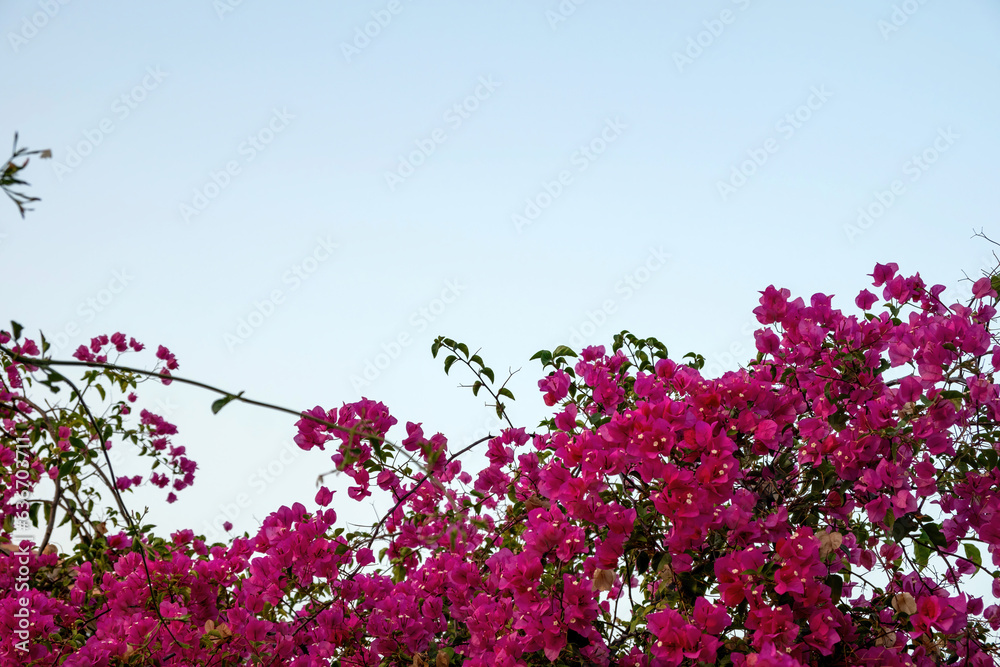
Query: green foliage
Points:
[485, 377]
[10, 178]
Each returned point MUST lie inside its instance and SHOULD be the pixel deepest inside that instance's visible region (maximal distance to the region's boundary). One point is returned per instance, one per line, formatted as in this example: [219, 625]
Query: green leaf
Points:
[464, 349]
[477, 385]
[544, 355]
[449, 360]
[488, 372]
[659, 560]
[16, 329]
[838, 420]
[642, 562]
[903, 526]
[972, 553]
[100, 390]
[504, 391]
[836, 585]
[937, 538]
[435, 346]
[921, 554]
[697, 361]
[563, 351]
[222, 402]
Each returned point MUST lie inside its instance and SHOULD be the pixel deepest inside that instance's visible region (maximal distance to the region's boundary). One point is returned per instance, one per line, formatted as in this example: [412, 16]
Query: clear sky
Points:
[282, 192]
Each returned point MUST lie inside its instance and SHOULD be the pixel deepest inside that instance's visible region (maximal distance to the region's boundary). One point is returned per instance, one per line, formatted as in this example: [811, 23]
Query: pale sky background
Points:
[142, 103]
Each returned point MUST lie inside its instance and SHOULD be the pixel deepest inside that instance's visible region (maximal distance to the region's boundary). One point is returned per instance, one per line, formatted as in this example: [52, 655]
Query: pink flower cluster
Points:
[661, 518]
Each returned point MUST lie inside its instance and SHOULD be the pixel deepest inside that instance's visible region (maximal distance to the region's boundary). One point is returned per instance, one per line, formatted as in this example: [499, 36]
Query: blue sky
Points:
[514, 175]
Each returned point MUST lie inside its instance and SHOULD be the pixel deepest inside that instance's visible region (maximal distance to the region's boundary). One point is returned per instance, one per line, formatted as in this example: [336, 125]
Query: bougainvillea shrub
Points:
[833, 503]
